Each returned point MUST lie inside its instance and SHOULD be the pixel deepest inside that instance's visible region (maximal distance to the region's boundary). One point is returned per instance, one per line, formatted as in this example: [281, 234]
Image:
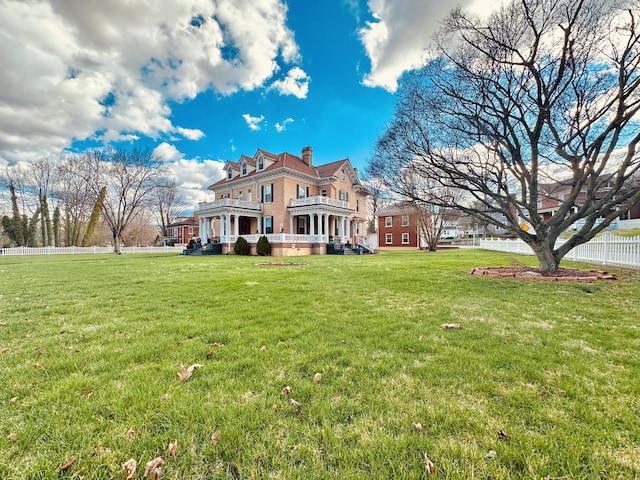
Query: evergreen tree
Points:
[56, 227]
[95, 217]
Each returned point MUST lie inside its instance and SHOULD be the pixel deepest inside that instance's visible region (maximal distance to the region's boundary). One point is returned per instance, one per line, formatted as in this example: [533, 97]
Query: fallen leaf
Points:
[431, 468]
[185, 373]
[13, 400]
[12, 437]
[286, 390]
[293, 403]
[3, 324]
[37, 365]
[131, 432]
[209, 354]
[173, 447]
[411, 350]
[215, 437]
[263, 348]
[449, 325]
[87, 394]
[172, 347]
[67, 465]
[83, 363]
[119, 332]
[491, 454]
[274, 407]
[505, 340]
[129, 468]
[39, 351]
[153, 469]
[317, 377]
[4, 350]
[503, 436]
[417, 427]
[217, 344]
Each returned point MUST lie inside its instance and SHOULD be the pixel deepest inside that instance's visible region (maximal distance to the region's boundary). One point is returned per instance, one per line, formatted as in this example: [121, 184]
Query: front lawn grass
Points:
[542, 380]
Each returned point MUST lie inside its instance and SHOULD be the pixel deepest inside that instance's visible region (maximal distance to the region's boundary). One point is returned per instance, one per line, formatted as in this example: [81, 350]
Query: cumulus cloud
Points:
[296, 83]
[396, 39]
[108, 70]
[281, 127]
[253, 122]
[165, 152]
[194, 176]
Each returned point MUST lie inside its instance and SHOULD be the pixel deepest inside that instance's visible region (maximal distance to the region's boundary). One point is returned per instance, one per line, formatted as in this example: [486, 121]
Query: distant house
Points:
[552, 195]
[299, 206]
[181, 231]
[398, 227]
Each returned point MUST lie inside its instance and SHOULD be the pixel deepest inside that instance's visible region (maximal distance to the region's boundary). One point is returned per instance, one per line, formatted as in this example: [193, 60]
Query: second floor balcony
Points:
[318, 200]
[229, 202]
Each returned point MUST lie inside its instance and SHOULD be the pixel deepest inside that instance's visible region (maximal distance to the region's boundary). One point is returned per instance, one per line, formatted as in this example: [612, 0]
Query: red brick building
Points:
[398, 227]
[182, 230]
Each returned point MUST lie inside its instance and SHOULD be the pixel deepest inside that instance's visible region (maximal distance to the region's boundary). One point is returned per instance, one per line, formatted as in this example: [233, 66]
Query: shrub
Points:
[264, 247]
[242, 247]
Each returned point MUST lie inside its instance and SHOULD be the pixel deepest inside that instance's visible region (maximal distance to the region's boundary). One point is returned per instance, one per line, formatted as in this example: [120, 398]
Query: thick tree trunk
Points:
[547, 258]
[116, 244]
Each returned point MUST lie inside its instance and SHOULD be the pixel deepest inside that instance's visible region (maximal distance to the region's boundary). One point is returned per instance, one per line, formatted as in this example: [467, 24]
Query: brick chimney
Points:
[307, 154]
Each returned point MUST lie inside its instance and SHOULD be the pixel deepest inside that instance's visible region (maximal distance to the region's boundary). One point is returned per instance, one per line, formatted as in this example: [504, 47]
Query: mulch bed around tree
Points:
[531, 273]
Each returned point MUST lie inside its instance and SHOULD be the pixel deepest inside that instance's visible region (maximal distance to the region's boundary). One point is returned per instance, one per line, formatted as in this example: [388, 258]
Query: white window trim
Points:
[405, 238]
[388, 221]
[388, 238]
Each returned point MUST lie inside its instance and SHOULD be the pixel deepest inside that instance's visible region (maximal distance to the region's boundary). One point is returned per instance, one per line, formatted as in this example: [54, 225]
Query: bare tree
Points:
[379, 197]
[40, 175]
[75, 192]
[542, 92]
[130, 178]
[166, 203]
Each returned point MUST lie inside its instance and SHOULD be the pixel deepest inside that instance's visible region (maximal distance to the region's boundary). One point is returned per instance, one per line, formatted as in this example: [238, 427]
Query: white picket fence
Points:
[607, 249]
[85, 250]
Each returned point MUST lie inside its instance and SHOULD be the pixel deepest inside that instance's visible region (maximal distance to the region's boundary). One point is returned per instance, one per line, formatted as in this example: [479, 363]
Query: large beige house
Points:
[300, 207]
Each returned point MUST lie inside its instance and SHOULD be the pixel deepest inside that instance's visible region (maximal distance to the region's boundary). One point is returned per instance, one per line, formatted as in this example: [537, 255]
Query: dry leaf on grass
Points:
[67, 465]
[12, 437]
[449, 325]
[129, 468]
[185, 373]
[4, 350]
[153, 469]
[13, 400]
[215, 437]
[263, 348]
[317, 377]
[293, 403]
[173, 447]
[37, 365]
[87, 394]
[131, 432]
[503, 436]
[431, 468]
[286, 390]
[491, 454]
[417, 426]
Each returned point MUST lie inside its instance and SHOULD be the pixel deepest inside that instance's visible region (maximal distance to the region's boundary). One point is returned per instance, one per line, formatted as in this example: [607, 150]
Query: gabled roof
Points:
[182, 221]
[399, 208]
[282, 160]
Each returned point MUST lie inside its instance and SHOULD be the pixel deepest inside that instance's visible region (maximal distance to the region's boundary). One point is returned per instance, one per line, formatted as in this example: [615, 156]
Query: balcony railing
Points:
[318, 200]
[229, 202]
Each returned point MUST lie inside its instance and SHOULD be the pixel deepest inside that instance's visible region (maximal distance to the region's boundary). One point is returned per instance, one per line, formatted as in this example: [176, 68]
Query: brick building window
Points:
[405, 220]
[388, 238]
[405, 238]
[388, 221]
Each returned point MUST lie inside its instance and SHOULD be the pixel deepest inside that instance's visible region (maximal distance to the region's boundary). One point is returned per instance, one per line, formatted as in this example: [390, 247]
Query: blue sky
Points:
[204, 81]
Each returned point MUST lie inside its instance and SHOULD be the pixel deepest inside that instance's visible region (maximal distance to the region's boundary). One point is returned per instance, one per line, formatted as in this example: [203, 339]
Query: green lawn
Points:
[92, 346]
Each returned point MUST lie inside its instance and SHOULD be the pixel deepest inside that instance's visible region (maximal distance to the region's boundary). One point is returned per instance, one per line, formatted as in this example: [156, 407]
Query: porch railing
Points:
[229, 202]
[318, 200]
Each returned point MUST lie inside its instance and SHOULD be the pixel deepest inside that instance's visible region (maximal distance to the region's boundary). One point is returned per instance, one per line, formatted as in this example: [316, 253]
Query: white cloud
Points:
[165, 152]
[194, 176]
[190, 133]
[281, 127]
[71, 69]
[253, 122]
[296, 83]
[395, 41]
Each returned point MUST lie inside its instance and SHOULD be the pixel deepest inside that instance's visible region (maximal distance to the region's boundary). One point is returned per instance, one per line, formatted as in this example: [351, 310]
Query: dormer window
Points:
[344, 175]
[244, 168]
[260, 163]
[229, 173]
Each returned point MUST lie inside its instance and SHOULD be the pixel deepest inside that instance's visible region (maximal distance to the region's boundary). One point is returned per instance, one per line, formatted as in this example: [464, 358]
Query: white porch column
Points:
[291, 224]
[202, 232]
[259, 225]
[227, 225]
[236, 227]
[349, 227]
[212, 225]
[326, 226]
[312, 228]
